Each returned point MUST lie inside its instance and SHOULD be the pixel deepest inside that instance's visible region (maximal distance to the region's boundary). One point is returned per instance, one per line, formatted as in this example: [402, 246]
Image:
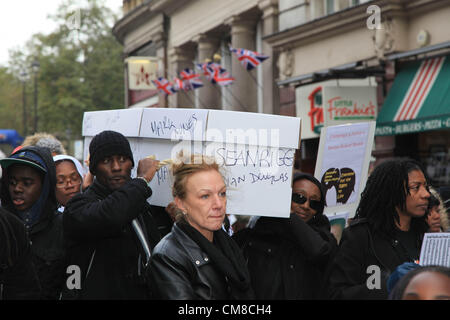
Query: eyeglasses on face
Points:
[301, 199]
[63, 182]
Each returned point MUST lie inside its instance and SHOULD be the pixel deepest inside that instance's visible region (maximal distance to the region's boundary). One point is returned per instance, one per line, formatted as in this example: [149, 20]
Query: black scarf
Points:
[226, 256]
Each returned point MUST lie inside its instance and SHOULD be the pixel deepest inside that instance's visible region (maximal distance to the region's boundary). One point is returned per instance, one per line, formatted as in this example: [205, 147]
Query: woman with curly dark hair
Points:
[387, 231]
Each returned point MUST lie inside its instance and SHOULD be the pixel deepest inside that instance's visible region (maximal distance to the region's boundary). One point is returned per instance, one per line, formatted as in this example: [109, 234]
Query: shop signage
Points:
[349, 104]
[141, 72]
[313, 105]
[416, 125]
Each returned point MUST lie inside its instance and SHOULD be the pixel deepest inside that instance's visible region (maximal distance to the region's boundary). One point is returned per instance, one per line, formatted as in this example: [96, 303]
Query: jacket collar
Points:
[196, 254]
[99, 189]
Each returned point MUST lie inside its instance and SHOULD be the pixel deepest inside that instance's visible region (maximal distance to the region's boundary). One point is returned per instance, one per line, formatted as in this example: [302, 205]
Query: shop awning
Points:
[419, 99]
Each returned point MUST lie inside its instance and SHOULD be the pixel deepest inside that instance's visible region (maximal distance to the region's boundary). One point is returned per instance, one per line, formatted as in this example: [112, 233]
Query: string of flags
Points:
[249, 59]
[188, 79]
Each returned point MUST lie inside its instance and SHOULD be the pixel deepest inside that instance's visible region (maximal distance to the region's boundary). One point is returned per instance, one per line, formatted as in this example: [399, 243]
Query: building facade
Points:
[311, 44]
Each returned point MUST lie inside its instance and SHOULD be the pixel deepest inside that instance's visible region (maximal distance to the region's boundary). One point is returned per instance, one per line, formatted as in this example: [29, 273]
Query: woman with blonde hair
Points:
[197, 260]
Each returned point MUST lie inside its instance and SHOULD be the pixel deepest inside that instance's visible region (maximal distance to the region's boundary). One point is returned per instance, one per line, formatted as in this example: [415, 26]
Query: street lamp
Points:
[35, 66]
[23, 78]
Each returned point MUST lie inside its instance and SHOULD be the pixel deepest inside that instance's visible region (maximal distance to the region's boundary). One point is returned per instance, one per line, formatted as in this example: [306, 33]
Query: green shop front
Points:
[416, 112]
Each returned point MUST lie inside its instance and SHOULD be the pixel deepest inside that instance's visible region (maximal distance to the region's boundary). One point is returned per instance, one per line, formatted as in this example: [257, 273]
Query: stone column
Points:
[244, 88]
[161, 53]
[209, 97]
[179, 59]
[271, 96]
[317, 8]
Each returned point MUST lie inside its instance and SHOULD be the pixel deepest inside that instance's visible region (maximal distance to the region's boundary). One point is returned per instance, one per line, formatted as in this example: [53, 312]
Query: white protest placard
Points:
[165, 123]
[343, 163]
[125, 121]
[163, 149]
[256, 152]
[435, 250]
[258, 178]
[253, 129]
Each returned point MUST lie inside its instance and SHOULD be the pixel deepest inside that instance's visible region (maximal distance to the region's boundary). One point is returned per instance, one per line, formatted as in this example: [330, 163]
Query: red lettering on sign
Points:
[354, 111]
[315, 113]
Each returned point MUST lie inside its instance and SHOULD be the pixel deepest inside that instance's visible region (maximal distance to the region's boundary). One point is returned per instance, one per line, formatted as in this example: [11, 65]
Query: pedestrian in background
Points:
[437, 216]
[387, 230]
[287, 257]
[69, 178]
[45, 140]
[198, 260]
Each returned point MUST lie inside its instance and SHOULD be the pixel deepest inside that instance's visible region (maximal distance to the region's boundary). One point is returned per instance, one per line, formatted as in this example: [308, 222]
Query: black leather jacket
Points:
[180, 270]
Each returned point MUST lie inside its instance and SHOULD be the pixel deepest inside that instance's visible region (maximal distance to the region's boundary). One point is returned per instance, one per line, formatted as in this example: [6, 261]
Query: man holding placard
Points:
[109, 229]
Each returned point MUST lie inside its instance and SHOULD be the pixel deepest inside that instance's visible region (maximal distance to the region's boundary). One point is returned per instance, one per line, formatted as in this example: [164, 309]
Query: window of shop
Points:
[434, 154]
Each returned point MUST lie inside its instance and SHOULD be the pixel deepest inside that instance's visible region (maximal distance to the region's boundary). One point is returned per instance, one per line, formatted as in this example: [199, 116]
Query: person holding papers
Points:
[387, 231]
[287, 257]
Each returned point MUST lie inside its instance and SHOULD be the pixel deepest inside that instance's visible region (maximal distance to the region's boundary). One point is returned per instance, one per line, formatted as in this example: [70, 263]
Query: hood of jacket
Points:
[76, 163]
[46, 204]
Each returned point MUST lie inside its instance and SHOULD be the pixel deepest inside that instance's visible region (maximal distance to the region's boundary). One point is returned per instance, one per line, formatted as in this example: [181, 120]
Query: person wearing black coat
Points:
[287, 257]
[28, 191]
[387, 231]
[18, 277]
[103, 224]
[198, 260]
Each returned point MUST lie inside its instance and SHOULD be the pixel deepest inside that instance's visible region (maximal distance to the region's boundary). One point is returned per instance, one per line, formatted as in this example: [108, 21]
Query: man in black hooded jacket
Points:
[18, 278]
[28, 191]
[100, 224]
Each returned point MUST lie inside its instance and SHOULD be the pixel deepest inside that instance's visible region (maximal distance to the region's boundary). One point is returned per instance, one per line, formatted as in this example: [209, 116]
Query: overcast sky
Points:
[19, 20]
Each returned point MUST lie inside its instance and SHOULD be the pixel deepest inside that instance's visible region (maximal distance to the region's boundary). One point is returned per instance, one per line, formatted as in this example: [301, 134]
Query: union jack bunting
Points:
[191, 79]
[222, 77]
[178, 84]
[164, 86]
[208, 69]
[249, 59]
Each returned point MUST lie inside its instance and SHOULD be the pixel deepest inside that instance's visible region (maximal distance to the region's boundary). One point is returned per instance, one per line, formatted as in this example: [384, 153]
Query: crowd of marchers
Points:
[69, 234]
